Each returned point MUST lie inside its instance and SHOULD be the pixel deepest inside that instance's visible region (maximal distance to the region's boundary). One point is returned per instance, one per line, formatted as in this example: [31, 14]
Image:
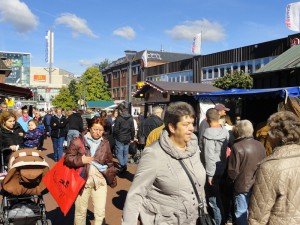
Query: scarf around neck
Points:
[94, 144]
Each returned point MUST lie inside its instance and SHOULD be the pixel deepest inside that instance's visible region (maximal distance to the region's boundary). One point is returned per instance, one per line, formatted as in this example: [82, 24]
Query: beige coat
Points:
[276, 194]
[161, 193]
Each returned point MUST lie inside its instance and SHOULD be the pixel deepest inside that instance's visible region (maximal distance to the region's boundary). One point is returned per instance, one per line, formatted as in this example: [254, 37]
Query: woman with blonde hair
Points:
[276, 197]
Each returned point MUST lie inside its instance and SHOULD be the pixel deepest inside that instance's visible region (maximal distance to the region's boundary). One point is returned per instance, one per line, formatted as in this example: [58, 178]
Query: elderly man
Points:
[153, 121]
[245, 156]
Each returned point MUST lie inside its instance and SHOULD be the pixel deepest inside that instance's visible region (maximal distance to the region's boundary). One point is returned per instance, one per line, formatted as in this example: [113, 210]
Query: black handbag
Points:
[141, 136]
[204, 218]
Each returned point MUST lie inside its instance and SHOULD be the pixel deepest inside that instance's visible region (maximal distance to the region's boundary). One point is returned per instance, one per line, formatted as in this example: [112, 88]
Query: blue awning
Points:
[252, 93]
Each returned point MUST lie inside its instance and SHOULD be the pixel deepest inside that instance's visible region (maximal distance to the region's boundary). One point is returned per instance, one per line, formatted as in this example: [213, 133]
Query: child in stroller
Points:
[23, 189]
[34, 137]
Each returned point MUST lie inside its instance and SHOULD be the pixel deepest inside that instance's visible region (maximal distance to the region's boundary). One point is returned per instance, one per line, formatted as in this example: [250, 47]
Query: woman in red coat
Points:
[95, 158]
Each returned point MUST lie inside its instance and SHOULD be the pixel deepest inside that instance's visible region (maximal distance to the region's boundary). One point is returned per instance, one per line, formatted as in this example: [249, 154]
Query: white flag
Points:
[145, 58]
[196, 47]
[292, 16]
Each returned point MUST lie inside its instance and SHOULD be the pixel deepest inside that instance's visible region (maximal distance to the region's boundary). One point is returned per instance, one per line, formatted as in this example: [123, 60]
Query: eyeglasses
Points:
[97, 130]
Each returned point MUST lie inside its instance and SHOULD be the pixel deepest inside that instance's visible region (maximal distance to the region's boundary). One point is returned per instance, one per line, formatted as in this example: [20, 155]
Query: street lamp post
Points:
[129, 56]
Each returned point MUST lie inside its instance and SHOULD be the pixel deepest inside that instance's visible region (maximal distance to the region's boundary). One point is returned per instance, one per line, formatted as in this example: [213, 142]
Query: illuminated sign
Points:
[39, 77]
[295, 41]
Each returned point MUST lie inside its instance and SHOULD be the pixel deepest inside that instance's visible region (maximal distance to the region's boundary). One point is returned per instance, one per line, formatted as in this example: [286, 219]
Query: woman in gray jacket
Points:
[161, 192]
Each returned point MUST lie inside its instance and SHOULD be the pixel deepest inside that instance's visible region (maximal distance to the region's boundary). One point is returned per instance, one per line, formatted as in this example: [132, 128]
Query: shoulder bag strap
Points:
[200, 202]
[81, 144]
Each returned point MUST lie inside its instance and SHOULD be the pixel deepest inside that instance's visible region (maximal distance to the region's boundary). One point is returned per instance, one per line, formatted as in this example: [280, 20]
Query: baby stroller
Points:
[23, 189]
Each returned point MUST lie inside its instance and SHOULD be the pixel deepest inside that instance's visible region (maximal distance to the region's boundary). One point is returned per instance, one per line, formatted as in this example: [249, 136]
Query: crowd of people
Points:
[224, 169]
[235, 176]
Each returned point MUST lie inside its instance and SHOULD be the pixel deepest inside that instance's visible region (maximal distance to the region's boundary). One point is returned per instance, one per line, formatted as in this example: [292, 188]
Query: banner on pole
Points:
[196, 47]
[292, 16]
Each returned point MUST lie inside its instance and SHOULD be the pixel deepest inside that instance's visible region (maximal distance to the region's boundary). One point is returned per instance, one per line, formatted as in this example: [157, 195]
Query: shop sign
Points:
[295, 41]
[39, 78]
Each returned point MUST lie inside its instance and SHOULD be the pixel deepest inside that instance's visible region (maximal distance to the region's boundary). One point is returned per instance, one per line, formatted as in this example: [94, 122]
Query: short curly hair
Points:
[174, 113]
[285, 125]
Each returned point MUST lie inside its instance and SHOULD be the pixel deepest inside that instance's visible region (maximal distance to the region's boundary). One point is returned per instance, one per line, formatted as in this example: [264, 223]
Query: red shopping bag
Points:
[64, 184]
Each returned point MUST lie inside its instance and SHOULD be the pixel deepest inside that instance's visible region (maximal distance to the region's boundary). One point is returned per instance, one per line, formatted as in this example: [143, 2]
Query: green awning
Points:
[290, 59]
[99, 104]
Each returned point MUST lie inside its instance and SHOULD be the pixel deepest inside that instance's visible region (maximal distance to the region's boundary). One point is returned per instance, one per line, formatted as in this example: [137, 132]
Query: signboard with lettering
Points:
[39, 78]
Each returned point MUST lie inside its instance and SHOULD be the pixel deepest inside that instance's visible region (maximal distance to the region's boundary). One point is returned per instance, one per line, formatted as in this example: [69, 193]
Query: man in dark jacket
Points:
[75, 123]
[153, 121]
[46, 121]
[123, 133]
[58, 133]
[245, 155]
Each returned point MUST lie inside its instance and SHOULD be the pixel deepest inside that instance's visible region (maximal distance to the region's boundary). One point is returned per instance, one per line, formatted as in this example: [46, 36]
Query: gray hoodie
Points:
[215, 142]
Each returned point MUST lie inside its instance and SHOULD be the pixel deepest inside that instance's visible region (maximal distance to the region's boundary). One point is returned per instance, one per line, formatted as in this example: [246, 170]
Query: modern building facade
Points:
[206, 68]
[47, 88]
[19, 63]
[36, 78]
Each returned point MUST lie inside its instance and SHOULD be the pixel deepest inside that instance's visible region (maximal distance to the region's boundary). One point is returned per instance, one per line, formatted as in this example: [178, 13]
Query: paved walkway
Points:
[115, 198]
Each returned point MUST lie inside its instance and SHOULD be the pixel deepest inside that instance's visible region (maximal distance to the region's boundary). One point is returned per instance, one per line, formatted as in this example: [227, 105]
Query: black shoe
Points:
[123, 169]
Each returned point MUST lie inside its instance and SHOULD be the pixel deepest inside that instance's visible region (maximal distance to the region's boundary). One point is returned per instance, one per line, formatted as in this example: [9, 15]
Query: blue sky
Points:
[86, 32]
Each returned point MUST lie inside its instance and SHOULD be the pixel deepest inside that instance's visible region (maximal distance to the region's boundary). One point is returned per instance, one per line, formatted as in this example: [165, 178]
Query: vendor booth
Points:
[162, 93]
[256, 105]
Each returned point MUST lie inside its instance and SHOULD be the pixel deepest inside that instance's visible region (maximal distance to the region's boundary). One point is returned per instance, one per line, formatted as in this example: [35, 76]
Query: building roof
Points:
[176, 88]
[11, 91]
[99, 104]
[152, 56]
[288, 60]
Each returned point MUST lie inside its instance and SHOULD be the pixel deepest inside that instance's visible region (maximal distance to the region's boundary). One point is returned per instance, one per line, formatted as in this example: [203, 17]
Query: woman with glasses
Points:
[95, 159]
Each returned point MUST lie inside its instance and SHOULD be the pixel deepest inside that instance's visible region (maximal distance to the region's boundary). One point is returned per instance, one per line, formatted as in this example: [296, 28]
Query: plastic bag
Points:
[64, 184]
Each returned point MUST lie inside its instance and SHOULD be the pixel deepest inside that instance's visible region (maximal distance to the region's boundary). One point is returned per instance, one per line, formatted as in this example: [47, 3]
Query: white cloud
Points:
[125, 32]
[211, 31]
[18, 14]
[85, 62]
[77, 25]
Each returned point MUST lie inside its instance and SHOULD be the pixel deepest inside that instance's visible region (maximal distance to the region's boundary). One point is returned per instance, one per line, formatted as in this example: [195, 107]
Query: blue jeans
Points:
[121, 151]
[215, 202]
[241, 202]
[71, 135]
[58, 147]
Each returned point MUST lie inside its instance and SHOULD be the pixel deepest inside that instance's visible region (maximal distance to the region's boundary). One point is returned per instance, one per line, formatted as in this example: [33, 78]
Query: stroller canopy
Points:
[26, 168]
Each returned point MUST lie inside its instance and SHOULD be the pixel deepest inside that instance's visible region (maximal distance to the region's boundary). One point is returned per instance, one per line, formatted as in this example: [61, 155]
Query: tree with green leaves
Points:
[93, 85]
[73, 89]
[103, 64]
[236, 79]
[64, 99]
